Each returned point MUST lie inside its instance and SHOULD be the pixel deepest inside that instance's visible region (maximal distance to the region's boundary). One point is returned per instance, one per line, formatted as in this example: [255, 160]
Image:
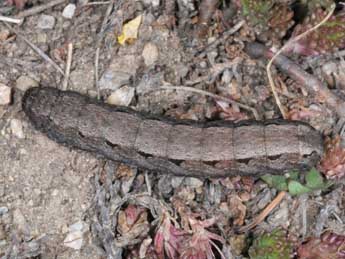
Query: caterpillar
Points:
[178, 147]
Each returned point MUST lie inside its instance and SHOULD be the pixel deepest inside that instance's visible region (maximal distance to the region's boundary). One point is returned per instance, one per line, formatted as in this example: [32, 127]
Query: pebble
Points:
[193, 182]
[17, 128]
[227, 76]
[74, 238]
[203, 64]
[78, 226]
[55, 192]
[181, 70]
[4, 34]
[119, 72]
[122, 96]
[46, 22]
[68, 11]
[150, 54]
[42, 38]
[23, 83]
[5, 94]
[3, 210]
[154, 3]
[82, 78]
[176, 181]
[281, 216]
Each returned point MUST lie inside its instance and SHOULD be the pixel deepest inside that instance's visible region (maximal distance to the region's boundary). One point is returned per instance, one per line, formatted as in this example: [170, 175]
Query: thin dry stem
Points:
[223, 37]
[10, 20]
[97, 3]
[297, 38]
[36, 49]
[264, 213]
[68, 65]
[40, 8]
[98, 44]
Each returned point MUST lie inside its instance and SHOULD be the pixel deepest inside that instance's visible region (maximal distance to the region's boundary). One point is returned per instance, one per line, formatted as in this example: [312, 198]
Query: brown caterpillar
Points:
[212, 149]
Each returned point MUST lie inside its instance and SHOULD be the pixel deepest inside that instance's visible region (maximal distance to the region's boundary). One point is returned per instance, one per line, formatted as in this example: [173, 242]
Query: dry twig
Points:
[40, 8]
[68, 65]
[100, 37]
[264, 213]
[222, 38]
[297, 38]
[10, 20]
[311, 83]
[97, 3]
[36, 49]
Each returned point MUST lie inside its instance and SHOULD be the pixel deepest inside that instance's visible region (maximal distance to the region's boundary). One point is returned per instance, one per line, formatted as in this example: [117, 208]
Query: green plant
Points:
[274, 245]
[313, 181]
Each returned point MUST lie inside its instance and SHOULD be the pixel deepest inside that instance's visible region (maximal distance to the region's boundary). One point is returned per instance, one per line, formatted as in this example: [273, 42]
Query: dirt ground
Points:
[61, 203]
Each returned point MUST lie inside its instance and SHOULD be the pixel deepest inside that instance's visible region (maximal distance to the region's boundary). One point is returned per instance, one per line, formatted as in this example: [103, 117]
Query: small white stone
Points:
[150, 54]
[154, 3]
[193, 182]
[17, 128]
[78, 226]
[176, 181]
[68, 11]
[23, 83]
[3, 210]
[122, 96]
[227, 76]
[55, 192]
[5, 94]
[46, 22]
[74, 240]
[118, 73]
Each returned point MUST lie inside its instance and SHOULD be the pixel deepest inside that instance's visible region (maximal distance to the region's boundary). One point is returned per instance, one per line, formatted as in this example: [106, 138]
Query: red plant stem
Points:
[311, 83]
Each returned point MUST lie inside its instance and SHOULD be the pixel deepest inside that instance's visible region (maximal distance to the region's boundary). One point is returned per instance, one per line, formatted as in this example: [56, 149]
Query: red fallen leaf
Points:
[200, 244]
[168, 239]
[132, 214]
[333, 162]
[132, 224]
[328, 246]
[19, 3]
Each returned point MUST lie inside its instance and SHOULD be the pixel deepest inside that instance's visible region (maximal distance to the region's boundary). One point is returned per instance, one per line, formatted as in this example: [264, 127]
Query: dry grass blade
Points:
[10, 20]
[224, 36]
[40, 8]
[100, 37]
[264, 213]
[68, 66]
[297, 38]
[36, 49]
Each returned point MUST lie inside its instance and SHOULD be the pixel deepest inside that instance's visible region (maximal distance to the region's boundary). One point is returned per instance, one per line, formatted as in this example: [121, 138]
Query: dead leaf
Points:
[237, 208]
[130, 31]
[328, 246]
[132, 225]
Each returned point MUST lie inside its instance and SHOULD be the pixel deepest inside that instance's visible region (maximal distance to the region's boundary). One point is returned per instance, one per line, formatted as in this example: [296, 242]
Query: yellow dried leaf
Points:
[130, 31]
